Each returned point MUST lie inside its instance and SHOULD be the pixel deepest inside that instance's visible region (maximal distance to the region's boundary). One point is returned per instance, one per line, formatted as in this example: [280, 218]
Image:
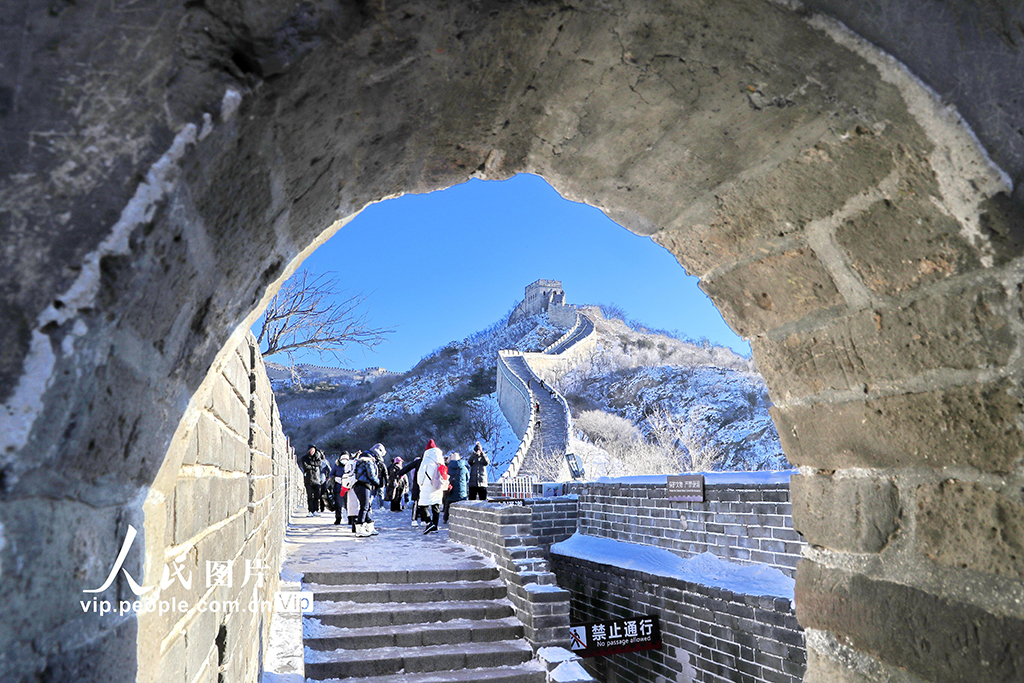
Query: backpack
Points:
[367, 471]
[440, 479]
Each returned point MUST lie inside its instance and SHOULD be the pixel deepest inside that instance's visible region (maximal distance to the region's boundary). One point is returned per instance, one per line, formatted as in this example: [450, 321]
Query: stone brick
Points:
[972, 425]
[964, 329]
[191, 507]
[936, 638]
[238, 375]
[758, 297]
[893, 252]
[200, 648]
[225, 404]
[857, 515]
[967, 525]
[753, 218]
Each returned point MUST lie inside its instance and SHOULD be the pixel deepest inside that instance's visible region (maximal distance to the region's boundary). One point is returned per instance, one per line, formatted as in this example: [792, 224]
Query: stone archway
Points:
[167, 167]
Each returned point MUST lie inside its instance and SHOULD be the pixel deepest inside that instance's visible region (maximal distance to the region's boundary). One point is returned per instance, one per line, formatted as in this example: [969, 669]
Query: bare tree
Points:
[684, 441]
[313, 312]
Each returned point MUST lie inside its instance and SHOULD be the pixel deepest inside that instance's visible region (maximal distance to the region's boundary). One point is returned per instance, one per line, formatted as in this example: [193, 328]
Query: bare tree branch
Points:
[308, 314]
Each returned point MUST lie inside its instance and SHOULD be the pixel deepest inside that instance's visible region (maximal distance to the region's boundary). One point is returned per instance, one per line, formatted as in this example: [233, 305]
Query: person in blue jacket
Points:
[458, 475]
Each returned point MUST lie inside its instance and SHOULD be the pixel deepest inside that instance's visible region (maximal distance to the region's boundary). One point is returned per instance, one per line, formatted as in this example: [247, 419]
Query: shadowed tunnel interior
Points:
[166, 167]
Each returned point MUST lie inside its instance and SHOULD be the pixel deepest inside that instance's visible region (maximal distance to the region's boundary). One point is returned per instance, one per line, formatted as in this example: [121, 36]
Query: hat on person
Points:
[431, 444]
[398, 460]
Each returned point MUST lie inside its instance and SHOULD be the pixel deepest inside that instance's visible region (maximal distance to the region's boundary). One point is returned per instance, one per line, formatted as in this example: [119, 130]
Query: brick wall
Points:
[553, 519]
[744, 523]
[504, 532]
[709, 635]
[223, 495]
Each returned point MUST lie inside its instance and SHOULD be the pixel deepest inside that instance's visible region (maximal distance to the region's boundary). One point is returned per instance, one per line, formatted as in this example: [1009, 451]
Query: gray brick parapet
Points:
[740, 522]
[505, 533]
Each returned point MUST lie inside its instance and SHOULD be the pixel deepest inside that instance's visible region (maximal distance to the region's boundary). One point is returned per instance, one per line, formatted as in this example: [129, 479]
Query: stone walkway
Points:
[549, 440]
[320, 553]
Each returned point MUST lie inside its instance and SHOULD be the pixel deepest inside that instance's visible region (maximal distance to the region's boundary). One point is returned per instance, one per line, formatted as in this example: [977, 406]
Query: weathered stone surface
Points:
[894, 253]
[968, 327]
[822, 669]
[754, 298]
[852, 514]
[749, 217]
[973, 425]
[938, 639]
[964, 524]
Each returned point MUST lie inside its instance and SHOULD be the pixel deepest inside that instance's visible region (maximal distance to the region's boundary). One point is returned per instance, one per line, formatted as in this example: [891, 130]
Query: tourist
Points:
[414, 486]
[351, 500]
[339, 486]
[433, 482]
[313, 478]
[458, 487]
[397, 485]
[370, 473]
[326, 500]
[478, 462]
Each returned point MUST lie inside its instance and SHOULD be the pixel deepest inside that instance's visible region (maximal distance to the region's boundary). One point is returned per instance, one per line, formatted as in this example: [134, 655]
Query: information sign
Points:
[600, 638]
[688, 488]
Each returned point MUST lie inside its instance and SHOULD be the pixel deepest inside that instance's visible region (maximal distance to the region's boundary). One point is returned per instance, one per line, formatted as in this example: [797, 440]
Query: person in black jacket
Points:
[478, 462]
[313, 478]
[414, 487]
[397, 484]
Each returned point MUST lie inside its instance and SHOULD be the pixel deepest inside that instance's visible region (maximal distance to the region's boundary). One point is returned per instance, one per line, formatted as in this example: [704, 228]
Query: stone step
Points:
[522, 552]
[401, 576]
[430, 658]
[531, 672]
[410, 592]
[414, 635]
[531, 564]
[361, 615]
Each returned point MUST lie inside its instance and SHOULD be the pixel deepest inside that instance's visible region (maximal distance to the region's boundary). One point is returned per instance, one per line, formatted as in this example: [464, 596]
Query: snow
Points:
[759, 477]
[283, 661]
[540, 588]
[705, 569]
[556, 654]
[728, 407]
[568, 672]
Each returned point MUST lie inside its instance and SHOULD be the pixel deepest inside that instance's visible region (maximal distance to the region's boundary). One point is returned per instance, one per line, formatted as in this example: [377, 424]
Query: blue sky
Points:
[440, 266]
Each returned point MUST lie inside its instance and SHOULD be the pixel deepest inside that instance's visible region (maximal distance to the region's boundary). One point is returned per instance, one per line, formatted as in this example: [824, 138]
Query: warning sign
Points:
[615, 637]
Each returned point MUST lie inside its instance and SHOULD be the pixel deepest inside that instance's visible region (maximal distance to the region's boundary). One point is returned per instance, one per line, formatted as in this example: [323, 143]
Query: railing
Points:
[517, 487]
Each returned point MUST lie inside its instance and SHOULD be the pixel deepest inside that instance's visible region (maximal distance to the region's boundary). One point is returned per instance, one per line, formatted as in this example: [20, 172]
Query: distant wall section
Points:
[215, 520]
[513, 395]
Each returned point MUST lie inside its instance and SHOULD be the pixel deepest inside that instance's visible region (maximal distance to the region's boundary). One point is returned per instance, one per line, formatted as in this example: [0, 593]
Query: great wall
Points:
[844, 178]
[538, 414]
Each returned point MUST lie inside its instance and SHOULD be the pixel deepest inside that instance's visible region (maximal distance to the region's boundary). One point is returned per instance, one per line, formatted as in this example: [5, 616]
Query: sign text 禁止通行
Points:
[632, 634]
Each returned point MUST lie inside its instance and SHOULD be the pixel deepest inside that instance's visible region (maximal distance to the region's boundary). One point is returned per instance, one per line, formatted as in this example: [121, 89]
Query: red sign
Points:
[599, 638]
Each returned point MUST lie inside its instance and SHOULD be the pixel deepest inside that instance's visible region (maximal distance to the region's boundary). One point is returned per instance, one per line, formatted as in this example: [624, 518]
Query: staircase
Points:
[415, 626]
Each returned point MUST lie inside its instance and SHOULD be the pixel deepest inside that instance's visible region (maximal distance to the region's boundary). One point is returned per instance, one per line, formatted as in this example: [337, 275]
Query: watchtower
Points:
[542, 293]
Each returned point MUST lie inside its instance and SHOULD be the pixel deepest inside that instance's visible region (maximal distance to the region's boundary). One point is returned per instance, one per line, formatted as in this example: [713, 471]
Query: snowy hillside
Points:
[695, 404]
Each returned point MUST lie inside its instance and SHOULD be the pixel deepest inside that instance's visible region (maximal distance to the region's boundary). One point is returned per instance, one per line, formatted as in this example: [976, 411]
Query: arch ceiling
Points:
[165, 168]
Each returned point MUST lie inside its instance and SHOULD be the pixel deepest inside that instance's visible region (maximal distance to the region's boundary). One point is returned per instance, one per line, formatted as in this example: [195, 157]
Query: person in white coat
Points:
[433, 482]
